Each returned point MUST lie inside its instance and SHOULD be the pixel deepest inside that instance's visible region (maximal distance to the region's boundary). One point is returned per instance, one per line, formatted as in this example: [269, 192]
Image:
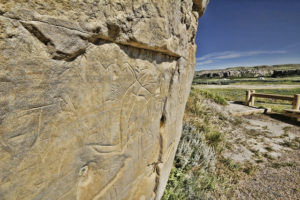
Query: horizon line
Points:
[263, 65]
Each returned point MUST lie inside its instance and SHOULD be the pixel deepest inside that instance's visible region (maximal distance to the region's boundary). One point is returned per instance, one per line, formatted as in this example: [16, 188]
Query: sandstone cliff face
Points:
[92, 95]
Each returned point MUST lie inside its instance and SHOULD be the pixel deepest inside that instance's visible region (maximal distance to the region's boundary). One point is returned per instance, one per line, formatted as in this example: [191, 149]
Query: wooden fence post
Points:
[248, 97]
[252, 100]
[296, 102]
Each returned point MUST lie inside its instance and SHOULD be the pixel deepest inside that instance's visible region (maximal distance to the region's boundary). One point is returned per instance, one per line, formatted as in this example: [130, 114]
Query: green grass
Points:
[293, 80]
[191, 176]
[214, 138]
[239, 95]
[275, 107]
[209, 95]
[253, 81]
[176, 184]
[230, 164]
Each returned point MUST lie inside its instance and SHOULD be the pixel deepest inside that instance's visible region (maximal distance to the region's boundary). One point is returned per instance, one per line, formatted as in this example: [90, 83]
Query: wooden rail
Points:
[250, 98]
[274, 96]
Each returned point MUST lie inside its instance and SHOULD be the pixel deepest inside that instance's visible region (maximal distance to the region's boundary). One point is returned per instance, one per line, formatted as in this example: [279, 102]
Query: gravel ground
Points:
[278, 174]
[274, 183]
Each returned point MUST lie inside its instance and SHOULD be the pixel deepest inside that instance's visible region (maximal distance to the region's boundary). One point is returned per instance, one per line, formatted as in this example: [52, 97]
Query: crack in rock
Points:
[62, 43]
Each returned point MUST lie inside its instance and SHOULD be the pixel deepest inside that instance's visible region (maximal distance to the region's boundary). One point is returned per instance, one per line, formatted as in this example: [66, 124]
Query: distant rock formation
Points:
[284, 73]
[251, 72]
[92, 96]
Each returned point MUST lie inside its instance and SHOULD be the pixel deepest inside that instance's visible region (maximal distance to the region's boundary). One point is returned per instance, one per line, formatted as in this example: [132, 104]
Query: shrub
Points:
[191, 175]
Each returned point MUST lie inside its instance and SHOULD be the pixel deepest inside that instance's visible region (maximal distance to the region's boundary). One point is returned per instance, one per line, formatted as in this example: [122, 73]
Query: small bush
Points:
[191, 176]
[175, 188]
[214, 138]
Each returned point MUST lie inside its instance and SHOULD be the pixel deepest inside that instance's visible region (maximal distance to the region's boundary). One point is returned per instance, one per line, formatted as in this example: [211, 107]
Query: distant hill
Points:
[251, 72]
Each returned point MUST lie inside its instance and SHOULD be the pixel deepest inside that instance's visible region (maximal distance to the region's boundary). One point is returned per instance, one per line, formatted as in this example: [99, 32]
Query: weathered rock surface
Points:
[92, 95]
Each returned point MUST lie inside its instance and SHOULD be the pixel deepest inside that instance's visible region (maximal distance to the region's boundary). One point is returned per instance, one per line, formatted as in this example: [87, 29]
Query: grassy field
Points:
[239, 95]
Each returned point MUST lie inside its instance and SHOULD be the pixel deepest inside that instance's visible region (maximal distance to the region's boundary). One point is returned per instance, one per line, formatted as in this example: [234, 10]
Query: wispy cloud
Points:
[292, 45]
[210, 58]
[205, 62]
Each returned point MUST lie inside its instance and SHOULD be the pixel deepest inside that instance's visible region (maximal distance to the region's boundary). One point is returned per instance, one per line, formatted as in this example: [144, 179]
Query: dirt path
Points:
[273, 144]
[247, 86]
[277, 180]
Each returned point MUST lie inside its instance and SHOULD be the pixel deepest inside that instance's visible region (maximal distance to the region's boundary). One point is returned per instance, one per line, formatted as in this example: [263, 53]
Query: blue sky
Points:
[248, 32]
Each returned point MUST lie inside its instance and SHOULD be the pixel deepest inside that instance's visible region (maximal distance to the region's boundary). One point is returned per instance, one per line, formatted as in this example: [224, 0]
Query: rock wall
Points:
[92, 95]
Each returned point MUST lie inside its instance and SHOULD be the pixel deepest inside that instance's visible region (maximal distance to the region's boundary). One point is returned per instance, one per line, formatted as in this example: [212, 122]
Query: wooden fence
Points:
[250, 98]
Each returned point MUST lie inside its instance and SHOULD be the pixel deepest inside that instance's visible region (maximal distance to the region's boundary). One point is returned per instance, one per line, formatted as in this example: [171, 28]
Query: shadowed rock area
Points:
[92, 95]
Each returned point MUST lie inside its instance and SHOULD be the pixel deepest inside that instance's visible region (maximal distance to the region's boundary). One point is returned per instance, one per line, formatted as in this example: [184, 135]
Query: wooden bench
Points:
[294, 112]
[250, 98]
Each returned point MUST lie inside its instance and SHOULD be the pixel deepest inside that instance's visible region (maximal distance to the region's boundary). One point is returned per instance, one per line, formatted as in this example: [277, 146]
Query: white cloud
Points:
[200, 64]
[205, 62]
